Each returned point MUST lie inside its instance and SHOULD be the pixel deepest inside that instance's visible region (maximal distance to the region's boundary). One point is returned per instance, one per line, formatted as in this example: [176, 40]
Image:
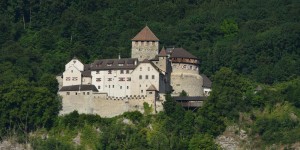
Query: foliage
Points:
[199, 142]
[50, 144]
[26, 107]
[278, 124]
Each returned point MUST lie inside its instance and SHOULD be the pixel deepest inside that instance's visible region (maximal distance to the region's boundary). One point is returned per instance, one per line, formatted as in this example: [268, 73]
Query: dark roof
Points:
[79, 88]
[86, 73]
[189, 98]
[162, 52]
[151, 88]
[87, 66]
[181, 53]
[145, 35]
[115, 64]
[206, 81]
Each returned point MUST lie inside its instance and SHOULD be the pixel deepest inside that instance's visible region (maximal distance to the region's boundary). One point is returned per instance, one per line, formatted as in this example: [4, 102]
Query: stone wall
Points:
[103, 105]
[191, 83]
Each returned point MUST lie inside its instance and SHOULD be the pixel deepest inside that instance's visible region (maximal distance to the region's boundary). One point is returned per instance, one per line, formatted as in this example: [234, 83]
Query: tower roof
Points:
[151, 88]
[162, 52]
[181, 53]
[145, 35]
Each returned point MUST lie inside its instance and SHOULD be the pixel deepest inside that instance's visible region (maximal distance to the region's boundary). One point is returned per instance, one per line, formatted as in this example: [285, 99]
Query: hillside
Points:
[241, 44]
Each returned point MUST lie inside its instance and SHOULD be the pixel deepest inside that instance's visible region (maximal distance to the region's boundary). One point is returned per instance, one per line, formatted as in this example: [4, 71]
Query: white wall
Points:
[111, 83]
[71, 76]
[139, 86]
[76, 63]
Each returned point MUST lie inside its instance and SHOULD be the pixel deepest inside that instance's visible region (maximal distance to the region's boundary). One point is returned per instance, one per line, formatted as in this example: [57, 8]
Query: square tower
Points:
[144, 45]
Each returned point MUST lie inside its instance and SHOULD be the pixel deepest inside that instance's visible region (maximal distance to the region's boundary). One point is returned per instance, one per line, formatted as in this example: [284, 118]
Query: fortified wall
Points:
[88, 102]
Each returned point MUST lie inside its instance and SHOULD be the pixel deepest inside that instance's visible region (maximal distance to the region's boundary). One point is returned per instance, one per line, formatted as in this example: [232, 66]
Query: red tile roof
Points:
[162, 52]
[145, 35]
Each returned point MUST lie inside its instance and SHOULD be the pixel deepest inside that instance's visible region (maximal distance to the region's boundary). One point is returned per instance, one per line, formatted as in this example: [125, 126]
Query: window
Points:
[88, 93]
[141, 69]
[76, 93]
[68, 93]
[127, 71]
[74, 61]
[109, 79]
[109, 86]
[68, 78]
[98, 79]
[191, 67]
[97, 72]
[71, 71]
[75, 78]
[140, 77]
[153, 77]
[120, 87]
[99, 87]
[120, 64]
[146, 76]
[150, 92]
[109, 64]
[184, 66]
[121, 79]
[83, 93]
[121, 71]
[109, 71]
[113, 86]
[142, 91]
[127, 87]
[148, 68]
[128, 78]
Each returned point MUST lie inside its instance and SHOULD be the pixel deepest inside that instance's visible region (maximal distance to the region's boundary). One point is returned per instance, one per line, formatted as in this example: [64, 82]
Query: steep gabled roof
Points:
[151, 88]
[181, 53]
[145, 35]
[162, 52]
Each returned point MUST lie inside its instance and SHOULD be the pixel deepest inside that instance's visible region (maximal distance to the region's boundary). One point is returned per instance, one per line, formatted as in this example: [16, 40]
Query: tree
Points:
[203, 142]
[25, 107]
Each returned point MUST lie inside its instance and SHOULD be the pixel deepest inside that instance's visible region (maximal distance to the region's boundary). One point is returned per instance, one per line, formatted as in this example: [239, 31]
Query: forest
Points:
[241, 44]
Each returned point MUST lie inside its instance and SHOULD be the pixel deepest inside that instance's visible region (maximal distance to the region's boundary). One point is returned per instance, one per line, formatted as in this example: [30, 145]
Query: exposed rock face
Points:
[233, 138]
[77, 139]
[227, 143]
[10, 145]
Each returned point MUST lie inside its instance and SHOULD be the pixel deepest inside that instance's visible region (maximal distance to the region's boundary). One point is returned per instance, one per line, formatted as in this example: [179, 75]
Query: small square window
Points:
[153, 77]
[68, 93]
[141, 77]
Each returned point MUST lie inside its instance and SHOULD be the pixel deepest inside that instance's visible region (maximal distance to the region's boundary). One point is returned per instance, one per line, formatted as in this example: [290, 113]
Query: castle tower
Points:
[185, 73]
[144, 45]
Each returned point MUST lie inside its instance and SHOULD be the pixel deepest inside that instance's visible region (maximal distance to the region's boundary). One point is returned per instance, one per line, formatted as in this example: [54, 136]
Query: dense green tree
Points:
[25, 107]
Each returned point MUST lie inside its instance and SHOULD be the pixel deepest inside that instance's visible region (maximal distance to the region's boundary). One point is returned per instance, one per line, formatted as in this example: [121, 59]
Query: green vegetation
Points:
[257, 41]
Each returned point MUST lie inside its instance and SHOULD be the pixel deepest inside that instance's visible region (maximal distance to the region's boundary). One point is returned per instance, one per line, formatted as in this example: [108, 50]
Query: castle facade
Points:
[110, 87]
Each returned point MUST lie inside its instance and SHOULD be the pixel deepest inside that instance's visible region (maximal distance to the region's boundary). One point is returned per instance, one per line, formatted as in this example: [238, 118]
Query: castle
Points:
[110, 87]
